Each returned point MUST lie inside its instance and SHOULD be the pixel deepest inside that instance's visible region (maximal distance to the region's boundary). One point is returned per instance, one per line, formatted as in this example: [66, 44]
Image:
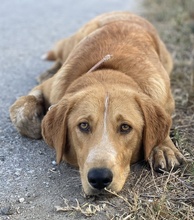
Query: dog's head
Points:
[103, 130]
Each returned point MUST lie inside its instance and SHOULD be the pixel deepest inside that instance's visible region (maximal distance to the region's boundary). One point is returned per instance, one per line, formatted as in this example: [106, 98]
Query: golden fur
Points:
[104, 120]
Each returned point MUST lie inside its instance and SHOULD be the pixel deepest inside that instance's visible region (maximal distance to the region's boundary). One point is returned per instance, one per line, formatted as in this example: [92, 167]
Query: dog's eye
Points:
[84, 127]
[125, 128]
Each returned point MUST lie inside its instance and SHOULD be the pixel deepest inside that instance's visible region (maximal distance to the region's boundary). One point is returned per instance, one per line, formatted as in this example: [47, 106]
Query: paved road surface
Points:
[30, 185]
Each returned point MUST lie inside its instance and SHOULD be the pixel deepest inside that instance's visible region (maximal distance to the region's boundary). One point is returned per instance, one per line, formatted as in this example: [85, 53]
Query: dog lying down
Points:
[111, 102]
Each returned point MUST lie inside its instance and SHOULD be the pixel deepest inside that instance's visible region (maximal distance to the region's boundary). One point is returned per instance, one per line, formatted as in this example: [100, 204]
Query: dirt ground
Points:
[32, 186]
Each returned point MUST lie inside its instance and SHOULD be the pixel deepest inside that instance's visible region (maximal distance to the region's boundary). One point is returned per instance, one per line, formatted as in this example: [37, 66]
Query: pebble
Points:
[30, 171]
[7, 210]
[21, 200]
[53, 169]
[41, 153]
[54, 163]
[2, 158]
[17, 173]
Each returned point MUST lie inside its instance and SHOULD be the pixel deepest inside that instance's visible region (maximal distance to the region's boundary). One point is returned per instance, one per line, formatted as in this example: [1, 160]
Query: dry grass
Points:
[148, 195]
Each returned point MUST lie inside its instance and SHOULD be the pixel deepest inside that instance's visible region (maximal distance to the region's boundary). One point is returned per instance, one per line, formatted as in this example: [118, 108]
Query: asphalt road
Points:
[30, 184]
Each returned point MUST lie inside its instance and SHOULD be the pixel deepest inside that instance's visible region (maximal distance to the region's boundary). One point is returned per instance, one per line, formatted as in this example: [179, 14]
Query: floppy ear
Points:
[54, 129]
[157, 124]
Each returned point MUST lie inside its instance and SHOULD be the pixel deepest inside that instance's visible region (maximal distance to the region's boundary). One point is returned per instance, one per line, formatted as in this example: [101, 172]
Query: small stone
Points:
[31, 171]
[41, 153]
[2, 158]
[54, 163]
[17, 173]
[7, 210]
[21, 200]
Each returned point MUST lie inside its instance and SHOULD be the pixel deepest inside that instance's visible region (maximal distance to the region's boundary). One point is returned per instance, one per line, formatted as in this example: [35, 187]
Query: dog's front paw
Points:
[26, 114]
[166, 158]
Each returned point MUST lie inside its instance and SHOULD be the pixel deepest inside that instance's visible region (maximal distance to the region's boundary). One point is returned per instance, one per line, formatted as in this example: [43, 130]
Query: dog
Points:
[106, 103]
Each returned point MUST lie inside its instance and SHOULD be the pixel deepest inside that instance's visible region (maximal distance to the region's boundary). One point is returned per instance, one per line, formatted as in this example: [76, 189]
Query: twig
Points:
[153, 177]
[96, 66]
[189, 187]
[121, 197]
[168, 197]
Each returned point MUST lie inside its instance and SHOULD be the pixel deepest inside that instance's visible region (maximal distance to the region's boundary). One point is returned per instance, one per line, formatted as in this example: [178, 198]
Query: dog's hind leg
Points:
[61, 50]
[59, 53]
[50, 72]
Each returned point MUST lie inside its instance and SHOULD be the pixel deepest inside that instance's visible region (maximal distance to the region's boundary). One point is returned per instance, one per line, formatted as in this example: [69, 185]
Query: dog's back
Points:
[63, 48]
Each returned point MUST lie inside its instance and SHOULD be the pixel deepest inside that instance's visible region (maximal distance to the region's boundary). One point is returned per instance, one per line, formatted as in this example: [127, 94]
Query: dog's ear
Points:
[54, 128]
[157, 124]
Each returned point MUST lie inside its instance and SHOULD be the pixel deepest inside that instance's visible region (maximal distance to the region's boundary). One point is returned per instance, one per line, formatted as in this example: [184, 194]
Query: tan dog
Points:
[112, 116]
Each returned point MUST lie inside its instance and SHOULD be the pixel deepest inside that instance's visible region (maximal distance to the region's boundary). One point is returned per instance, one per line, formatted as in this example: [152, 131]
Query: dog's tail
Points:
[50, 55]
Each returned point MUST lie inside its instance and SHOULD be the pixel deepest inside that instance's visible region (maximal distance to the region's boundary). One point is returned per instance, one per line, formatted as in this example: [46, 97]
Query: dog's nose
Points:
[99, 178]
